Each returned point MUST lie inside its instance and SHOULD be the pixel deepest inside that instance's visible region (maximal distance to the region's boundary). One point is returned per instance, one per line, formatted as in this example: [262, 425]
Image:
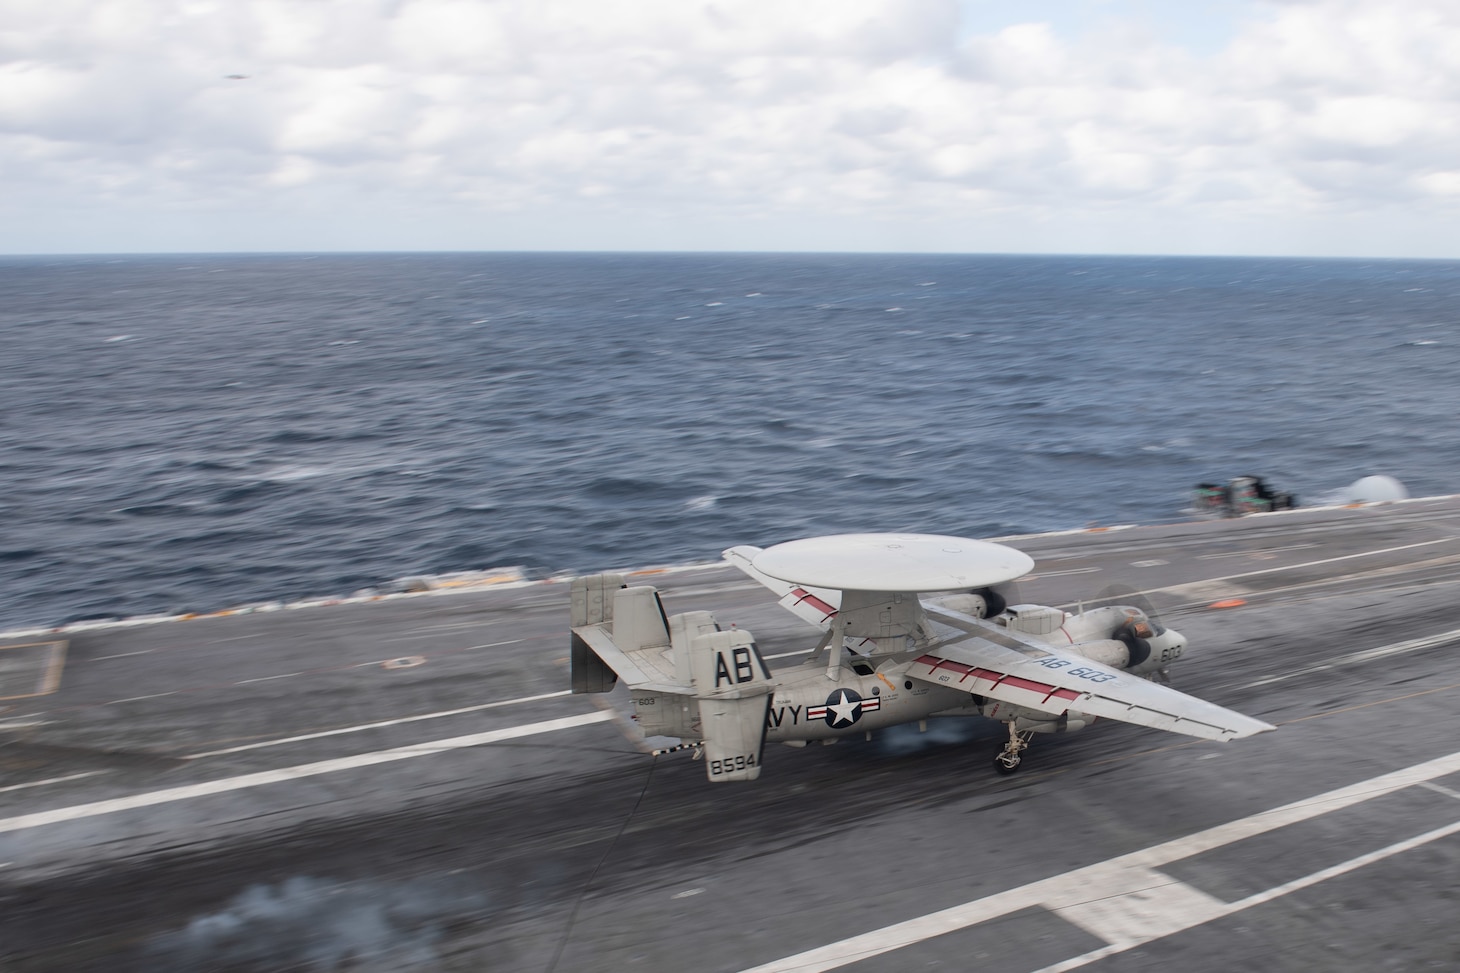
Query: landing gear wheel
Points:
[1006, 765]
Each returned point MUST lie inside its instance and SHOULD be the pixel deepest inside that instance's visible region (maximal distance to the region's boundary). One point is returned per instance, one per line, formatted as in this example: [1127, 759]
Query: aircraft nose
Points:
[1169, 643]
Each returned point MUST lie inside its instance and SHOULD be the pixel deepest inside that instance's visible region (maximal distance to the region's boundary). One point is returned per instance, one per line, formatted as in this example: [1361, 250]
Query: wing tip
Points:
[1243, 733]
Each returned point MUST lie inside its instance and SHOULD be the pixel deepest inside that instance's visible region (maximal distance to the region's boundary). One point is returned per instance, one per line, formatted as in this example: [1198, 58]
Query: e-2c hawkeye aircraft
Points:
[891, 656]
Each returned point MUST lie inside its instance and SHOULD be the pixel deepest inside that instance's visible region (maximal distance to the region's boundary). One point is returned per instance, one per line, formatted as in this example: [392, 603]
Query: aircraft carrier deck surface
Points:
[407, 785]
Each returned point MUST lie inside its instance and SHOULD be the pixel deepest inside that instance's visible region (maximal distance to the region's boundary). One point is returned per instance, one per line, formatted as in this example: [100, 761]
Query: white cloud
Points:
[1445, 183]
[756, 113]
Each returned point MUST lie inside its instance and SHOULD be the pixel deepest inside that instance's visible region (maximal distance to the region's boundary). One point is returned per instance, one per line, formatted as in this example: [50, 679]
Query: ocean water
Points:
[191, 432]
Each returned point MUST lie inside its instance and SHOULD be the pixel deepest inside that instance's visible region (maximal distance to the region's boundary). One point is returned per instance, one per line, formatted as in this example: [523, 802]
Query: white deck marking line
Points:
[375, 726]
[133, 699]
[1363, 655]
[51, 780]
[1373, 575]
[1202, 588]
[1261, 898]
[1102, 879]
[1265, 550]
[711, 589]
[1309, 564]
[1149, 906]
[787, 655]
[1061, 574]
[1408, 844]
[415, 634]
[119, 655]
[22, 822]
[282, 675]
[1396, 649]
[1440, 789]
[434, 655]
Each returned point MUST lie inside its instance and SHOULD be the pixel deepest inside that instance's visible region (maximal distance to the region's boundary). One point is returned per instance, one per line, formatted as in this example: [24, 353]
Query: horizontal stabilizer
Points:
[591, 674]
[626, 637]
[633, 668]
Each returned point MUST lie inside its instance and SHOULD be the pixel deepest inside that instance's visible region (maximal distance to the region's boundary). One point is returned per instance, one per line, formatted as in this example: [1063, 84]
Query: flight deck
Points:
[406, 783]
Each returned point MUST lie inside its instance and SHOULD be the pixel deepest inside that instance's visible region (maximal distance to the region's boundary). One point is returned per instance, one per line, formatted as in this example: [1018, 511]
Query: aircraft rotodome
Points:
[892, 656]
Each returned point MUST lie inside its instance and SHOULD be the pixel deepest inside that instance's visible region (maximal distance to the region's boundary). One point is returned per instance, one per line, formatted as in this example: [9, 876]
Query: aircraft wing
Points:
[815, 605]
[1014, 668]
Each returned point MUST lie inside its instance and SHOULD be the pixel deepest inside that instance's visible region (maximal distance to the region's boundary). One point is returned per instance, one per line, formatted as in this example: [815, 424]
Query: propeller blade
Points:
[1123, 594]
[998, 597]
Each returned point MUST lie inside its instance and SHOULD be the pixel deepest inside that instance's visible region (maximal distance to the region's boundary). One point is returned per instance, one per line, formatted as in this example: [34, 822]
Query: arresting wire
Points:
[583, 892]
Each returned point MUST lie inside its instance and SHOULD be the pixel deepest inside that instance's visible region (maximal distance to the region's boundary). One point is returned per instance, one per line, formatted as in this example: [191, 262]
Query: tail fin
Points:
[639, 621]
[690, 679]
[592, 604]
[733, 687]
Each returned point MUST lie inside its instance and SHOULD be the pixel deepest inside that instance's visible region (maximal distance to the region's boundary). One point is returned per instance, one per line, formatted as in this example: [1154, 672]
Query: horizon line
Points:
[123, 254]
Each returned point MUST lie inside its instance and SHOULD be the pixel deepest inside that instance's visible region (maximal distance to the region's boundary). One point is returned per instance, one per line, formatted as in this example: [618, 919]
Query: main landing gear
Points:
[1008, 759]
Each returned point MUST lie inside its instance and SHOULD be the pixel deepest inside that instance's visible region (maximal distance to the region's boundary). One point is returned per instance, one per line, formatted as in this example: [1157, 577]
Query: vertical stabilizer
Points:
[734, 689]
[638, 619]
[684, 628]
[592, 604]
[592, 600]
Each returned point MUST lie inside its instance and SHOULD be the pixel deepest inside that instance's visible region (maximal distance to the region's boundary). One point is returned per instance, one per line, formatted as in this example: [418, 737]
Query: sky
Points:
[1263, 127]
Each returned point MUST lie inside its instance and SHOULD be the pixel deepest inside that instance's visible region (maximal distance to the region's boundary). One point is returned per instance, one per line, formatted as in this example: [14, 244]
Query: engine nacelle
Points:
[1028, 720]
[1144, 646]
[1154, 653]
[1163, 649]
[980, 602]
[1109, 652]
[1067, 723]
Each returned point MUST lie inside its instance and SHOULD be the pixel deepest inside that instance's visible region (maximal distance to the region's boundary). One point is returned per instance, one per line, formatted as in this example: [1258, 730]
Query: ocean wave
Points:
[248, 494]
[159, 510]
[240, 453]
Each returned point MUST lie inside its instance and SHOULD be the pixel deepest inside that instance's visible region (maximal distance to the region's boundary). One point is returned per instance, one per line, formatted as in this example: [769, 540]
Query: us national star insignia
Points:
[843, 708]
